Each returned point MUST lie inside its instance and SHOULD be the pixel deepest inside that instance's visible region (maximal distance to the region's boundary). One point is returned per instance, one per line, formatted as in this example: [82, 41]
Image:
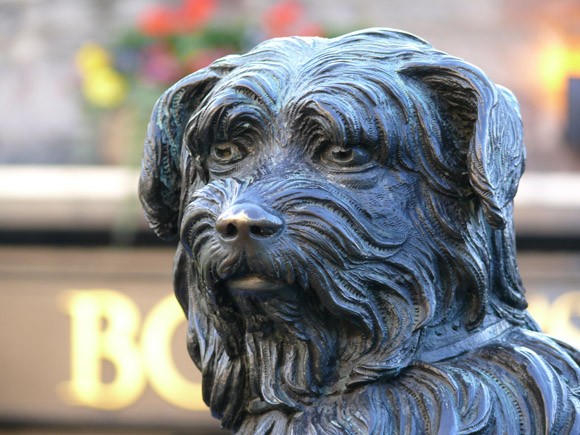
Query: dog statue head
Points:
[346, 258]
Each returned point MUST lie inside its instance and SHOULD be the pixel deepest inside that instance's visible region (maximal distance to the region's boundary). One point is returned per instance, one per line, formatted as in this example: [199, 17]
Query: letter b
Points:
[104, 326]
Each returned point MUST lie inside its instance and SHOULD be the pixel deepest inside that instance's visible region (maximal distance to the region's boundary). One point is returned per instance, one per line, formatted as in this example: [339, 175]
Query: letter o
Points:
[164, 377]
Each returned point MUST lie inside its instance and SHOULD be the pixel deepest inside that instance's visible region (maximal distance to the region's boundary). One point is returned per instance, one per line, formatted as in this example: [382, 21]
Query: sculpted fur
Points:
[346, 258]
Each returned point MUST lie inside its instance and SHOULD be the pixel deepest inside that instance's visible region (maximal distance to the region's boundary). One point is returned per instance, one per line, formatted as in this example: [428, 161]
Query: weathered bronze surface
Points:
[346, 256]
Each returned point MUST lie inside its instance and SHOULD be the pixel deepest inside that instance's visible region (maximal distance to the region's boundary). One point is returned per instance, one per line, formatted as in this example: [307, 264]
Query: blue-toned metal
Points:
[346, 258]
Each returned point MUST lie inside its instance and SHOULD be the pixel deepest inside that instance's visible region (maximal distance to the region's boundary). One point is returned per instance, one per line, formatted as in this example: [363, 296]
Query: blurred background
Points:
[92, 340]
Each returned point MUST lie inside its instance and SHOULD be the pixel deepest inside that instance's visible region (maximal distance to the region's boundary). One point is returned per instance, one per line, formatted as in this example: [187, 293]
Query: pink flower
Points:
[159, 65]
[203, 58]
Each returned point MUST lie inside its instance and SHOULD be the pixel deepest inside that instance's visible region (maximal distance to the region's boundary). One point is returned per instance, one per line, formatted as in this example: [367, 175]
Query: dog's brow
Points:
[344, 121]
[228, 116]
[312, 123]
[259, 89]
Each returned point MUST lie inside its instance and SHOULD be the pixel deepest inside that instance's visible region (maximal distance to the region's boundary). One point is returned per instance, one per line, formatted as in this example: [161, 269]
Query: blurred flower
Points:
[92, 57]
[157, 21]
[282, 16]
[203, 58]
[288, 18]
[169, 42]
[127, 60]
[165, 21]
[309, 29]
[102, 85]
[195, 13]
[165, 44]
[105, 88]
[159, 65]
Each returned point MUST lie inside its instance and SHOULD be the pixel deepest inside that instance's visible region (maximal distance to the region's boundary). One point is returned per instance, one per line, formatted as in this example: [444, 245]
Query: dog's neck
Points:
[460, 394]
[452, 339]
[436, 343]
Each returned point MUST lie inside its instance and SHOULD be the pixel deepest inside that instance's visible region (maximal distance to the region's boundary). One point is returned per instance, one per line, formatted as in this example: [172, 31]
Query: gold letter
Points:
[539, 308]
[91, 344]
[561, 319]
[164, 377]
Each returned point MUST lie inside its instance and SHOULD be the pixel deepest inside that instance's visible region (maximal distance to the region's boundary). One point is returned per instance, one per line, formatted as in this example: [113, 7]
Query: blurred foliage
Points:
[166, 43]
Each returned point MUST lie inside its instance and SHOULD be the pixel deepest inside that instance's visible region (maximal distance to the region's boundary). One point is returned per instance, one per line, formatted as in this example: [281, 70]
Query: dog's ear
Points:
[484, 122]
[161, 167]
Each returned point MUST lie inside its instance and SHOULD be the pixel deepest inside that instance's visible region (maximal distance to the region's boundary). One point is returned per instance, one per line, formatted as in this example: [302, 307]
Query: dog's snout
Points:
[247, 221]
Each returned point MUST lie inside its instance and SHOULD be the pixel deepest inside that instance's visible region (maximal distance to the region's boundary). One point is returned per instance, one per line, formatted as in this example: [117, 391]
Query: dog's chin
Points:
[253, 296]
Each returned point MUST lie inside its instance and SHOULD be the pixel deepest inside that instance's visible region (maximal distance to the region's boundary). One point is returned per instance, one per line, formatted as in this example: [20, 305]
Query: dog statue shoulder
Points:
[346, 258]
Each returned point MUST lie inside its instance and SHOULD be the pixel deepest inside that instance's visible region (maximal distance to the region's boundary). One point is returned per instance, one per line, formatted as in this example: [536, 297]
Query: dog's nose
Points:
[244, 221]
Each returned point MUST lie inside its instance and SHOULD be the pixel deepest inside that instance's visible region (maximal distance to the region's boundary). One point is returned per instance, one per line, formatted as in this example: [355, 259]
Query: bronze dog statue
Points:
[347, 259]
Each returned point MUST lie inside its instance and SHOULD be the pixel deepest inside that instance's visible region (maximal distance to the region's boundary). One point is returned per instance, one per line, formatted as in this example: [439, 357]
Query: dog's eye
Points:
[226, 153]
[346, 156]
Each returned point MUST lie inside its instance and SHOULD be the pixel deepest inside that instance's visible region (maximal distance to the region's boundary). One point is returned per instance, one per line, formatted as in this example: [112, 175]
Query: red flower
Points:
[163, 21]
[157, 21]
[288, 18]
[281, 17]
[194, 13]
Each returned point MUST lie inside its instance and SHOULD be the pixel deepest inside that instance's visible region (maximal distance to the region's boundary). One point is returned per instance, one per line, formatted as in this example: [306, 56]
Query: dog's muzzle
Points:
[250, 227]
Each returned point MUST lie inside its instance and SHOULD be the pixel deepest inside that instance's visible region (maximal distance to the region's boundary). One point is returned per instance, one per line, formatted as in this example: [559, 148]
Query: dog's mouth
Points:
[260, 299]
[253, 284]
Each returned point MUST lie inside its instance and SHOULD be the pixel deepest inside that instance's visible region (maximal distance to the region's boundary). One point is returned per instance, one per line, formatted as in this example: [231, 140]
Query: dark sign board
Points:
[574, 111]
[95, 336]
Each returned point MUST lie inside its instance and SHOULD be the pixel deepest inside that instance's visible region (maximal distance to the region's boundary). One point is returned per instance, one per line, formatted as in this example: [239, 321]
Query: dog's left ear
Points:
[485, 123]
[161, 167]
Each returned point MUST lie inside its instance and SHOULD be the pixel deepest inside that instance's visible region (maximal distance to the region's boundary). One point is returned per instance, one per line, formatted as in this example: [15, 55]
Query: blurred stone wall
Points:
[42, 116]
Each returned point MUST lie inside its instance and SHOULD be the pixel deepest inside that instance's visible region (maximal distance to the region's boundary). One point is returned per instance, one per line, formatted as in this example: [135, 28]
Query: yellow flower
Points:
[105, 88]
[92, 57]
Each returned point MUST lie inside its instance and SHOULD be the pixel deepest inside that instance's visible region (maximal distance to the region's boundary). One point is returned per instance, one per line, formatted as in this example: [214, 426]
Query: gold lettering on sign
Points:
[105, 326]
[558, 318]
[158, 330]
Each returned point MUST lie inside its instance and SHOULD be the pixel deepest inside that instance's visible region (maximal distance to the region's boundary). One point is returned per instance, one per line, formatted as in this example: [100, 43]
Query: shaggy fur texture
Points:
[393, 168]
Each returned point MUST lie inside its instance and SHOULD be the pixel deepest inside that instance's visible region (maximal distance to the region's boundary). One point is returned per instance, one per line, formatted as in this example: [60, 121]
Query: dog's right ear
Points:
[484, 121]
[161, 167]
